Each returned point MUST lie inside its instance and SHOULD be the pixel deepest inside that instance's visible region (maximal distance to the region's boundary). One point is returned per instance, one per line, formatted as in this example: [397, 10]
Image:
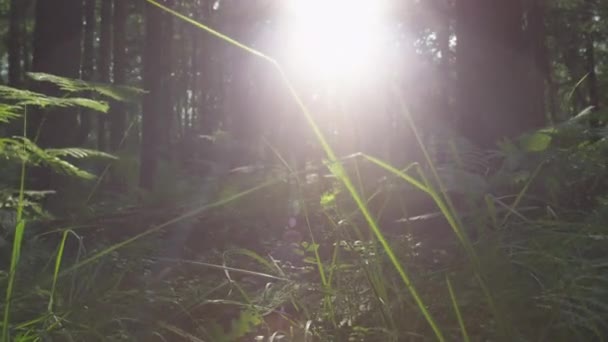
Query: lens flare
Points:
[335, 39]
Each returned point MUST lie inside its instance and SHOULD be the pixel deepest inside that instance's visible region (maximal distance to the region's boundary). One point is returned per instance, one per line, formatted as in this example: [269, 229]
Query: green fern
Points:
[78, 153]
[23, 149]
[8, 112]
[114, 92]
[20, 98]
[14, 102]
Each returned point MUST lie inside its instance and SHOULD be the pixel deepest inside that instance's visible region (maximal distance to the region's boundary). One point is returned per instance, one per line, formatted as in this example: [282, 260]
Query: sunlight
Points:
[335, 39]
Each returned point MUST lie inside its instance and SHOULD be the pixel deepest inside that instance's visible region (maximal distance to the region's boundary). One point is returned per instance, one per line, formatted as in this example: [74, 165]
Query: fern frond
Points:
[21, 98]
[115, 92]
[23, 149]
[8, 112]
[79, 153]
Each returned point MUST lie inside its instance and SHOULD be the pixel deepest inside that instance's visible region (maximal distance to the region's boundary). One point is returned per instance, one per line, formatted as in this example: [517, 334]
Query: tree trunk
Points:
[592, 74]
[168, 74]
[118, 115]
[492, 65]
[443, 44]
[57, 50]
[592, 84]
[16, 40]
[88, 65]
[103, 65]
[152, 104]
[540, 68]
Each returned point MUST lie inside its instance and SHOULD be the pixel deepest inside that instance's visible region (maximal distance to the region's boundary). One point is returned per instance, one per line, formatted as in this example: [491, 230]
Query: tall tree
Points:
[169, 59]
[492, 65]
[119, 70]
[540, 69]
[88, 63]
[57, 50]
[152, 103]
[592, 82]
[104, 62]
[16, 40]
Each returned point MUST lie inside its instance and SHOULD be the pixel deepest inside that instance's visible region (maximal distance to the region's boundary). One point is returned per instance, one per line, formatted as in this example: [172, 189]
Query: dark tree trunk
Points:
[576, 72]
[168, 74]
[57, 50]
[27, 44]
[592, 74]
[152, 104]
[492, 65]
[540, 71]
[103, 65]
[592, 85]
[444, 32]
[118, 115]
[88, 65]
[16, 40]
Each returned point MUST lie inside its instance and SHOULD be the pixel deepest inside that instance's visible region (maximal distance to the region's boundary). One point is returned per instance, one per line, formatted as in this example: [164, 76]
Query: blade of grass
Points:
[224, 268]
[463, 329]
[16, 250]
[58, 259]
[522, 193]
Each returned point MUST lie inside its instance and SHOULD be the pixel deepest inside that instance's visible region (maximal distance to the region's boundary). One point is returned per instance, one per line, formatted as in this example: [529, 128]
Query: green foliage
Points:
[115, 92]
[24, 150]
[19, 99]
[246, 321]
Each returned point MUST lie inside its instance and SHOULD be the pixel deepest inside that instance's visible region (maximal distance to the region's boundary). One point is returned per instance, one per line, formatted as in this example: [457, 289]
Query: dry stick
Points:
[333, 164]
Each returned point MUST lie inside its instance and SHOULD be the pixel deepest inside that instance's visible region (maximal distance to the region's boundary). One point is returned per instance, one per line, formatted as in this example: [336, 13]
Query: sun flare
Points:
[335, 39]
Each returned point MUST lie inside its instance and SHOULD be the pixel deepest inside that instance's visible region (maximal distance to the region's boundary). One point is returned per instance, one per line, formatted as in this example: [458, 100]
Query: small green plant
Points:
[22, 151]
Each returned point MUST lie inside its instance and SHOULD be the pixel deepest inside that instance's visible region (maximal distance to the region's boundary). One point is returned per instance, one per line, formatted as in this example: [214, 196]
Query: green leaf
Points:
[328, 199]
[536, 142]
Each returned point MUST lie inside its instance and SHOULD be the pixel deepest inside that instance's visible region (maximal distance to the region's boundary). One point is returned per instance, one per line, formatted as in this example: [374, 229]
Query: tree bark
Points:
[57, 50]
[88, 64]
[592, 83]
[152, 104]
[492, 65]
[16, 40]
[118, 115]
[103, 65]
[444, 32]
[168, 74]
[540, 70]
